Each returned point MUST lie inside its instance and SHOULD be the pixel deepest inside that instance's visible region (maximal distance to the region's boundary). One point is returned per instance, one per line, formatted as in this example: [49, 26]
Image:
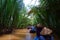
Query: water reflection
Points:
[30, 36]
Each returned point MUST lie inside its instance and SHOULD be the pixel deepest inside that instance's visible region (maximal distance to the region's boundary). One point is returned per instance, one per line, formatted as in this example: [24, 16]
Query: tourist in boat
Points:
[47, 33]
[39, 28]
[33, 29]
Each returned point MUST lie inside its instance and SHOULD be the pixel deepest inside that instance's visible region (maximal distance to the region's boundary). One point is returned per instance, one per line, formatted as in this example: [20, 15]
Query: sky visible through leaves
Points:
[30, 3]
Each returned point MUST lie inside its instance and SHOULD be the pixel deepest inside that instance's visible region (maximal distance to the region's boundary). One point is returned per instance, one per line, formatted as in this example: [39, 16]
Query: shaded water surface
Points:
[19, 34]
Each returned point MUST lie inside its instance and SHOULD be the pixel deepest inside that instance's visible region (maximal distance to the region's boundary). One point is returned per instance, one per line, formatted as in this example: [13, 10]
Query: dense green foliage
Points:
[48, 14]
[12, 15]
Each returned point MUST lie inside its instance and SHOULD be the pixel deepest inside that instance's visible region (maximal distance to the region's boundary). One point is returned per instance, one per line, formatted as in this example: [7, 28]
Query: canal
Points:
[19, 34]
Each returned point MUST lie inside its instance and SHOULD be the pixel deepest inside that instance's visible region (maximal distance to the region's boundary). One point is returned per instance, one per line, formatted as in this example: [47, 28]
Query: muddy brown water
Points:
[19, 34]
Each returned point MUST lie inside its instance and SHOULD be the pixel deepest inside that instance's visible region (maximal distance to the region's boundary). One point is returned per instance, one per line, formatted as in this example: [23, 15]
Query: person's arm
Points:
[49, 31]
[46, 31]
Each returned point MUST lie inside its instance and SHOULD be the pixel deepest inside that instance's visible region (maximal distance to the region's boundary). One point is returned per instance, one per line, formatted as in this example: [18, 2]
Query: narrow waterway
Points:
[19, 34]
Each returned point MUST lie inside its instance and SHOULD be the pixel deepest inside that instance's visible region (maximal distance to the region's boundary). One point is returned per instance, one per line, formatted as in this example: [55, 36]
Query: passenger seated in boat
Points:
[47, 33]
[39, 28]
